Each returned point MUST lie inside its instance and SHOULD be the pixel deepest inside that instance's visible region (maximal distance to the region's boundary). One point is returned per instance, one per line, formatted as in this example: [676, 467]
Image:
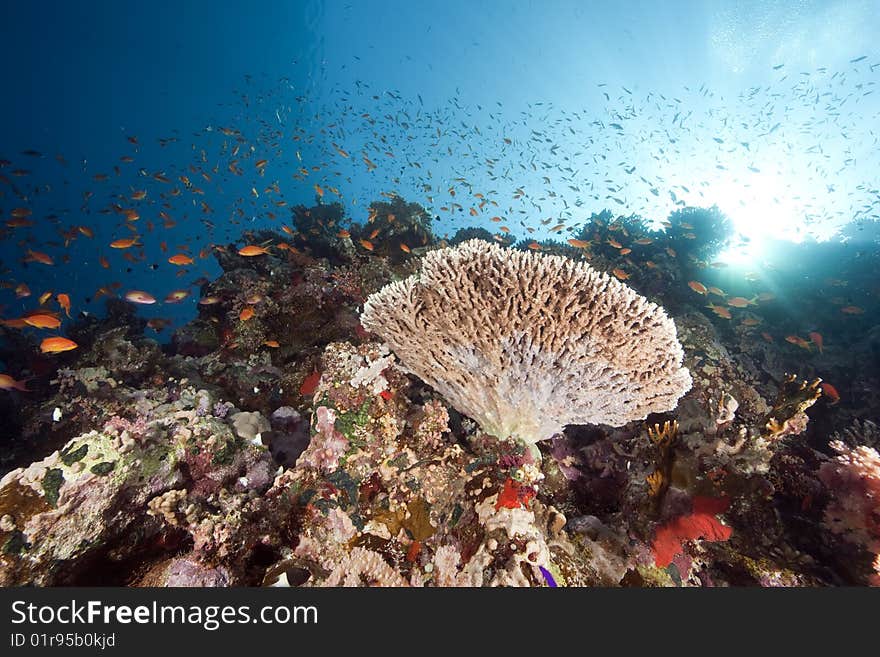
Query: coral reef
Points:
[526, 344]
[292, 448]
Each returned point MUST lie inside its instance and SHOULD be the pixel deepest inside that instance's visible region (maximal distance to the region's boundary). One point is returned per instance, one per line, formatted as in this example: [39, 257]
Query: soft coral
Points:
[700, 523]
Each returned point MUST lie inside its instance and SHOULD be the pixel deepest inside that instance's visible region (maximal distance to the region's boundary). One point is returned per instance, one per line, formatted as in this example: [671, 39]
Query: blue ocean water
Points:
[185, 124]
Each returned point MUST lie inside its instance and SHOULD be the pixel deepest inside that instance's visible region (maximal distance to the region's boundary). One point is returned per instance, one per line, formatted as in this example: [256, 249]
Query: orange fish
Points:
[343, 234]
[246, 314]
[697, 287]
[139, 296]
[816, 339]
[57, 344]
[104, 262]
[579, 244]
[767, 337]
[625, 251]
[367, 244]
[405, 248]
[271, 343]
[670, 251]
[740, 302]
[41, 320]
[209, 301]
[721, 311]
[831, 392]
[534, 246]
[180, 260]
[64, 302]
[852, 310]
[644, 241]
[718, 292]
[8, 383]
[619, 273]
[253, 250]
[799, 341]
[44, 297]
[319, 191]
[615, 244]
[36, 256]
[124, 243]
[139, 195]
[176, 296]
[22, 291]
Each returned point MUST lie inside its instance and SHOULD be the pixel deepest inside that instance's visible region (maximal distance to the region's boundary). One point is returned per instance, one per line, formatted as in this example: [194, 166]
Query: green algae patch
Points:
[103, 468]
[69, 457]
[349, 421]
[52, 481]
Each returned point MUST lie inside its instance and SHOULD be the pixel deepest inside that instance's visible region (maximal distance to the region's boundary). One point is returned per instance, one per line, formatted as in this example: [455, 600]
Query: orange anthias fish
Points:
[619, 273]
[367, 244]
[246, 314]
[831, 392]
[253, 250]
[721, 311]
[176, 296]
[741, 302]
[139, 296]
[697, 287]
[8, 383]
[579, 244]
[124, 243]
[36, 256]
[42, 321]
[22, 291]
[852, 310]
[816, 339]
[180, 260]
[799, 341]
[56, 345]
[64, 302]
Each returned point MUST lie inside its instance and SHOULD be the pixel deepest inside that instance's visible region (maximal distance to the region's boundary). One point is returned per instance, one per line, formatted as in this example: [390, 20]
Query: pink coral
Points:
[328, 445]
[853, 478]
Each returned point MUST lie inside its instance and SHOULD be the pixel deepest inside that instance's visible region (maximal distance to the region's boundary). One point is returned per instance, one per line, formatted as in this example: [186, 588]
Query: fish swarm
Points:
[526, 343]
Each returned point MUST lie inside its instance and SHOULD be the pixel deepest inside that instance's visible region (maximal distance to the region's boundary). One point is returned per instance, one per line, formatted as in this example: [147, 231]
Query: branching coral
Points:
[664, 437]
[526, 343]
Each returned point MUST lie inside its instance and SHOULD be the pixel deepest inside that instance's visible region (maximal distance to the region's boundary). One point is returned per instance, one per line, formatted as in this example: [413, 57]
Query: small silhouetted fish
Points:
[858, 59]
